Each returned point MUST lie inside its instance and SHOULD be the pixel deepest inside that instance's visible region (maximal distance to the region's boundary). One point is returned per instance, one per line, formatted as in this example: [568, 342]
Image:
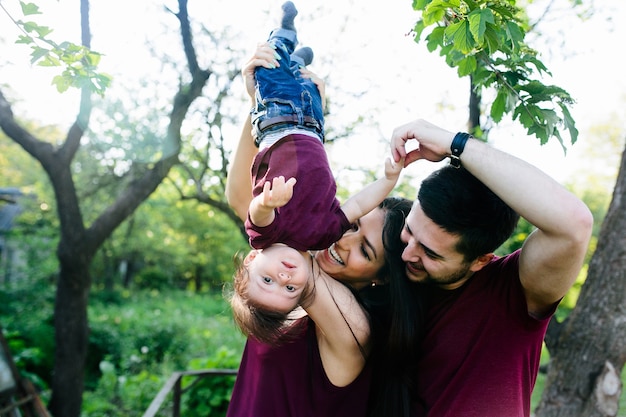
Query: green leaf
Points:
[466, 66]
[482, 77]
[460, 36]
[24, 39]
[49, 61]
[435, 39]
[478, 20]
[569, 123]
[498, 106]
[433, 13]
[420, 4]
[42, 31]
[491, 39]
[515, 34]
[418, 29]
[61, 83]
[29, 26]
[38, 53]
[29, 8]
[93, 58]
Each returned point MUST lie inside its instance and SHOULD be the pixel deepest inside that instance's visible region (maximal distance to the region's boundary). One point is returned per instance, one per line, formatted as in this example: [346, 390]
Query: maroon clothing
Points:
[481, 349]
[313, 218]
[289, 381]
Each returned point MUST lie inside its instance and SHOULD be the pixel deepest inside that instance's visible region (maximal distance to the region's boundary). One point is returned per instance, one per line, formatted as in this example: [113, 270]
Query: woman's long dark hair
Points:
[397, 330]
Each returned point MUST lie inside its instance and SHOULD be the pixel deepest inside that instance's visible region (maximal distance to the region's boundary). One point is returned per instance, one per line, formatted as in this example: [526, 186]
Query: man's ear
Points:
[250, 256]
[481, 261]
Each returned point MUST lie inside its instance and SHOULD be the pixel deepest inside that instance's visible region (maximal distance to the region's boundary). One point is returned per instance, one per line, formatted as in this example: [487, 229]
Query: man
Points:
[487, 316]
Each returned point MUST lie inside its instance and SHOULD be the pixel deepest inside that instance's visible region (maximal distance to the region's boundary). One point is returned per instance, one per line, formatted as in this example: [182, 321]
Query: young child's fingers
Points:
[267, 188]
[278, 181]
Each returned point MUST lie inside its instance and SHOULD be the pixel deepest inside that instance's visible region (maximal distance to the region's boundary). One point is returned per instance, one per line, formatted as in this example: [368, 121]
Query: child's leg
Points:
[289, 14]
[280, 82]
[303, 56]
[281, 93]
[287, 31]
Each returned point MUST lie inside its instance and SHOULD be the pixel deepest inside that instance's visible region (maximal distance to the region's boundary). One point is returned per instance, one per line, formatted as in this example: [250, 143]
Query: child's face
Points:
[277, 277]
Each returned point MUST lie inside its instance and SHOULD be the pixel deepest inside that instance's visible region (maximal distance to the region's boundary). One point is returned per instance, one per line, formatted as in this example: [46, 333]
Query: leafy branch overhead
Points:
[79, 63]
[485, 39]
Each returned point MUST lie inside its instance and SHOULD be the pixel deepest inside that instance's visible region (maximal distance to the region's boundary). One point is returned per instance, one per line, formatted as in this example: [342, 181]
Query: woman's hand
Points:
[321, 85]
[264, 56]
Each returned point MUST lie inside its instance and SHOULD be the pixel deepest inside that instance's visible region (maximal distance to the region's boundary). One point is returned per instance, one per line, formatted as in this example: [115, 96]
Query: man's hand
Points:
[433, 142]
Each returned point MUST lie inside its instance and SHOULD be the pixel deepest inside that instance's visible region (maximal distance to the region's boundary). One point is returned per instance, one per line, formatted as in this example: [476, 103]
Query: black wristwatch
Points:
[458, 144]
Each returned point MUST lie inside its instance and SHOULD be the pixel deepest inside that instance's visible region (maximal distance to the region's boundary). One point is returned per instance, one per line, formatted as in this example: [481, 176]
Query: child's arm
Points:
[275, 194]
[372, 195]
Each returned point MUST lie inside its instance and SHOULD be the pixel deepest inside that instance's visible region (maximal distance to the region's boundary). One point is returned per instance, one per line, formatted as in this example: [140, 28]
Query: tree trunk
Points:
[78, 244]
[474, 107]
[584, 373]
[71, 339]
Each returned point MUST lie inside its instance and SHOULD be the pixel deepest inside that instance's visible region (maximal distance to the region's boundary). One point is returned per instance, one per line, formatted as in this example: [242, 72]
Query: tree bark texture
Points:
[584, 373]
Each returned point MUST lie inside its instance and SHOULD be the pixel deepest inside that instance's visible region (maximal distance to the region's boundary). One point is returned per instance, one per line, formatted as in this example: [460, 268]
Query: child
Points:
[294, 208]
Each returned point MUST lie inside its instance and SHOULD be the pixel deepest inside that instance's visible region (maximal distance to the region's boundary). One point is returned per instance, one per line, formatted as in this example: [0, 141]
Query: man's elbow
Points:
[583, 221]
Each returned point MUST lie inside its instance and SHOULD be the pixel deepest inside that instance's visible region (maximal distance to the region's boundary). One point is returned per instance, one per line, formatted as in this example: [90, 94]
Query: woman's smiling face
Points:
[356, 258]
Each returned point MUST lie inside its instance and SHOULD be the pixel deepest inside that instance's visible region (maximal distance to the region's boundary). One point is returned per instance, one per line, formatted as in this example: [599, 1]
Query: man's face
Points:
[430, 254]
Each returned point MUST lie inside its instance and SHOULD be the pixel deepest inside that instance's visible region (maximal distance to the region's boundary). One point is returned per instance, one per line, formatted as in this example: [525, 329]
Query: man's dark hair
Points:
[462, 205]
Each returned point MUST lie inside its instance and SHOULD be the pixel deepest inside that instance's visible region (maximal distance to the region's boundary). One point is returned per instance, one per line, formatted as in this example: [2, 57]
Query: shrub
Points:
[210, 395]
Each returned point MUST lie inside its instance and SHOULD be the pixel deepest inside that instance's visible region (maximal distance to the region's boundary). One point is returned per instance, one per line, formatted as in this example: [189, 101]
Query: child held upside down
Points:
[294, 208]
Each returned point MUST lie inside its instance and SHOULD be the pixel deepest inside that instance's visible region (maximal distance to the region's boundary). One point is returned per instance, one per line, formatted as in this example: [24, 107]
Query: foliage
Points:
[485, 39]
[28, 327]
[161, 333]
[137, 339]
[210, 396]
[118, 394]
[79, 63]
[170, 243]
[521, 232]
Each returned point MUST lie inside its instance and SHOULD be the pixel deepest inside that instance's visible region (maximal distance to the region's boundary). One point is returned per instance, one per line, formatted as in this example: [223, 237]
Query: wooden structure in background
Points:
[18, 397]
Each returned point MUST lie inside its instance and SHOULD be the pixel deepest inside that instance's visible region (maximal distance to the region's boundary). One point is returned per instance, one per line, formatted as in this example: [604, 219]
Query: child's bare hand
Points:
[393, 169]
[278, 192]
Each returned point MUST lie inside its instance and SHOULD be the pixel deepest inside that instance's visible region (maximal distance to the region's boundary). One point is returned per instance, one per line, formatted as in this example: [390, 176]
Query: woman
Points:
[327, 370]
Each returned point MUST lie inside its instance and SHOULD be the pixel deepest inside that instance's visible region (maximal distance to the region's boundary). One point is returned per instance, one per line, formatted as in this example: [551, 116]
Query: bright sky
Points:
[361, 48]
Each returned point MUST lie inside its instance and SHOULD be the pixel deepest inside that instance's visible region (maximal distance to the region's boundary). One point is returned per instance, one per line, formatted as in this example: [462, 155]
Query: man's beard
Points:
[450, 279]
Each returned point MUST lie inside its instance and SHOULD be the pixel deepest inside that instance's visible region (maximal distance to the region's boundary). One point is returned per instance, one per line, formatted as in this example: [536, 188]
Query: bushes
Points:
[136, 341]
[215, 389]
[141, 340]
